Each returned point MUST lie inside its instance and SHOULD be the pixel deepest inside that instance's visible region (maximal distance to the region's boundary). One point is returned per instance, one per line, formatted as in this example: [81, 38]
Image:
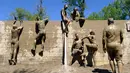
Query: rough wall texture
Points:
[53, 45]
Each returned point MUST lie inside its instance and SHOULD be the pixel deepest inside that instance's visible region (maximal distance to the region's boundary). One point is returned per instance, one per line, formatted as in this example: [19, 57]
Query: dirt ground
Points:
[56, 67]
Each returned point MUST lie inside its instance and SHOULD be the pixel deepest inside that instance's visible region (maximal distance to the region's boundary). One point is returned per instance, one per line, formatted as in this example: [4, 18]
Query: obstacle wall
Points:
[53, 46]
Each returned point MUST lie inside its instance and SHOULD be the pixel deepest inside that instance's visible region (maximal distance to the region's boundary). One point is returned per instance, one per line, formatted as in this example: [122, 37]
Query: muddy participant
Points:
[77, 50]
[112, 40]
[92, 48]
[65, 20]
[75, 14]
[41, 35]
[15, 35]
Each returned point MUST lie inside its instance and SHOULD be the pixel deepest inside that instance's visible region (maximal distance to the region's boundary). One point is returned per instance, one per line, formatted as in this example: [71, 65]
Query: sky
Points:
[53, 7]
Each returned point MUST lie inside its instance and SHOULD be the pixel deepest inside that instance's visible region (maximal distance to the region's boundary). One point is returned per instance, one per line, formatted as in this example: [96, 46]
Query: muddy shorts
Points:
[76, 52]
[115, 53]
[41, 37]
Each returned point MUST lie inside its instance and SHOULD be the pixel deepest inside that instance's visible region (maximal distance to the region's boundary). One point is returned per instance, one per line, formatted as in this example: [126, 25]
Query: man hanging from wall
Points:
[112, 40]
[75, 15]
[15, 36]
[65, 20]
[77, 50]
[92, 48]
[41, 35]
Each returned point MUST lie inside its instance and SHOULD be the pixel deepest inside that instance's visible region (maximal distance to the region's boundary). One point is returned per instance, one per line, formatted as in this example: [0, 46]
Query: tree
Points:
[28, 16]
[41, 10]
[95, 16]
[76, 3]
[19, 13]
[113, 10]
[126, 7]
[23, 14]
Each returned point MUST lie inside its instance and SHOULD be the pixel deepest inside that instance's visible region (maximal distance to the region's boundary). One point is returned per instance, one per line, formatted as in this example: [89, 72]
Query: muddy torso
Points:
[113, 36]
[40, 26]
[14, 35]
[78, 44]
[64, 14]
[77, 49]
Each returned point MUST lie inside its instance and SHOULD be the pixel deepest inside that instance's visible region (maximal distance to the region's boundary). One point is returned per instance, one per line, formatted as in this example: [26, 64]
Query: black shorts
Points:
[41, 37]
[115, 53]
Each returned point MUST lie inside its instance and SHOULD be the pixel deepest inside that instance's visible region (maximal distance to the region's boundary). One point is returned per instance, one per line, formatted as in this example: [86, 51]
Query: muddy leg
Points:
[41, 52]
[84, 60]
[42, 45]
[66, 28]
[73, 60]
[112, 65]
[94, 59]
[11, 54]
[16, 51]
[119, 66]
[34, 48]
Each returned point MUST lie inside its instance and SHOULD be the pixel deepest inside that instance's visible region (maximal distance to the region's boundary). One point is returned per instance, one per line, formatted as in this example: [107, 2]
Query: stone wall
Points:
[53, 45]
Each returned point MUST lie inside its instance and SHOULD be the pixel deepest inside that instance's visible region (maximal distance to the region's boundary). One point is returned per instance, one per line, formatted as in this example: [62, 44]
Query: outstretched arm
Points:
[46, 21]
[21, 21]
[85, 37]
[15, 18]
[20, 29]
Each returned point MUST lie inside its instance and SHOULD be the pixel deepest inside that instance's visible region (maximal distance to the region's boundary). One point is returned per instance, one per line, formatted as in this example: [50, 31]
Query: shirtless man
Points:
[15, 35]
[92, 47]
[75, 15]
[65, 21]
[112, 40]
[77, 50]
[41, 35]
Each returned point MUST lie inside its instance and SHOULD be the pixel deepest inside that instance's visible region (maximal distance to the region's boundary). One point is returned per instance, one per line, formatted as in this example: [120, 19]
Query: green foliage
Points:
[112, 10]
[20, 13]
[127, 7]
[76, 3]
[95, 16]
[23, 14]
[116, 10]
[41, 10]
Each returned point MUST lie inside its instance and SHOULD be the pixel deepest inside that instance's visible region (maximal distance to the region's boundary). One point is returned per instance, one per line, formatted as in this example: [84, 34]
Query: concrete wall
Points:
[53, 45]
